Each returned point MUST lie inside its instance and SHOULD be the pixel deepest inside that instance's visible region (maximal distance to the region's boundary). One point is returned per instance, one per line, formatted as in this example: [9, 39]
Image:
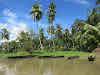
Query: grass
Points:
[14, 54]
[59, 53]
[46, 53]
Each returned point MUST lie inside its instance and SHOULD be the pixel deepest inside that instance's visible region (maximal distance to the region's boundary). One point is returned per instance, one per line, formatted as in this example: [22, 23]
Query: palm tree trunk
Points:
[73, 44]
[41, 44]
[37, 29]
[53, 43]
[53, 40]
[51, 36]
[49, 45]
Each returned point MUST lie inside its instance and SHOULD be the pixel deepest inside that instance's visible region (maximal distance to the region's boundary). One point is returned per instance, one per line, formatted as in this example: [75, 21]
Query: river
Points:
[58, 66]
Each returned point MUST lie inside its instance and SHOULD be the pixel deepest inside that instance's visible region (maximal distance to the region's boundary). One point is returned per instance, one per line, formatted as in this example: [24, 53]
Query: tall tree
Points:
[41, 37]
[5, 37]
[36, 13]
[51, 30]
[13, 46]
[77, 31]
[51, 17]
[59, 35]
[67, 38]
[93, 16]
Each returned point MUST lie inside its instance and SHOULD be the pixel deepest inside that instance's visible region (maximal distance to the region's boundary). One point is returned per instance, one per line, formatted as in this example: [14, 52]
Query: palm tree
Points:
[66, 38]
[5, 36]
[36, 13]
[41, 37]
[94, 16]
[77, 31]
[51, 30]
[59, 35]
[13, 46]
[51, 17]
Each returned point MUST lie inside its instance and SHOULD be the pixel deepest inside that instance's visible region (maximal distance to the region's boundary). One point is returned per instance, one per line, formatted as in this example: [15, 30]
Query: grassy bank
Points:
[14, 54]
[46, 53]
[59, 53]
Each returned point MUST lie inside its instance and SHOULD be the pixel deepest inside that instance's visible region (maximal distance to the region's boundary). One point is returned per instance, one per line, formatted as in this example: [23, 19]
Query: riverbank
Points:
[45, 53]
[59, 53]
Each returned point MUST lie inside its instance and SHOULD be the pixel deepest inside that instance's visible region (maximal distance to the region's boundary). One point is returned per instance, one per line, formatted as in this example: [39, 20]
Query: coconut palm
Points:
[5, 34]
[59, 35]
[13, 46]
[36, 13]
[51, 30]
[5, 37]
[41, 37]
[66, 38]
[51, 13]
[94, 16]
[51, 17]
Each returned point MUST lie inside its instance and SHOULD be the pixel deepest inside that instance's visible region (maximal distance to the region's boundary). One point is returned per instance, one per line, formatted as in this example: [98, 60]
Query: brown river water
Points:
[58, 66]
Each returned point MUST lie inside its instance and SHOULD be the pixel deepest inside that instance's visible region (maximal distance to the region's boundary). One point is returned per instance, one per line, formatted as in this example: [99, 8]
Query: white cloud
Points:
[3, 25]
[14, 26]
[15, 30]
[85, 2]
[9, 13]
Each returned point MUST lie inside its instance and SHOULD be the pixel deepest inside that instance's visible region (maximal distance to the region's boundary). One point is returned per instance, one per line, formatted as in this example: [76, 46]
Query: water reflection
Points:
[36, 66]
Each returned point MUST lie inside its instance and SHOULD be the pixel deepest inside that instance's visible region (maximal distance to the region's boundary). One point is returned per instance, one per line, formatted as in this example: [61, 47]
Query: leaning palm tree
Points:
[51, 16]
[36, 13]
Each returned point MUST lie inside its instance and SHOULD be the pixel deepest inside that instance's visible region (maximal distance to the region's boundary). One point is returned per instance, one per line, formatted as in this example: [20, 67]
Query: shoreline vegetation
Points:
[40, 53]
